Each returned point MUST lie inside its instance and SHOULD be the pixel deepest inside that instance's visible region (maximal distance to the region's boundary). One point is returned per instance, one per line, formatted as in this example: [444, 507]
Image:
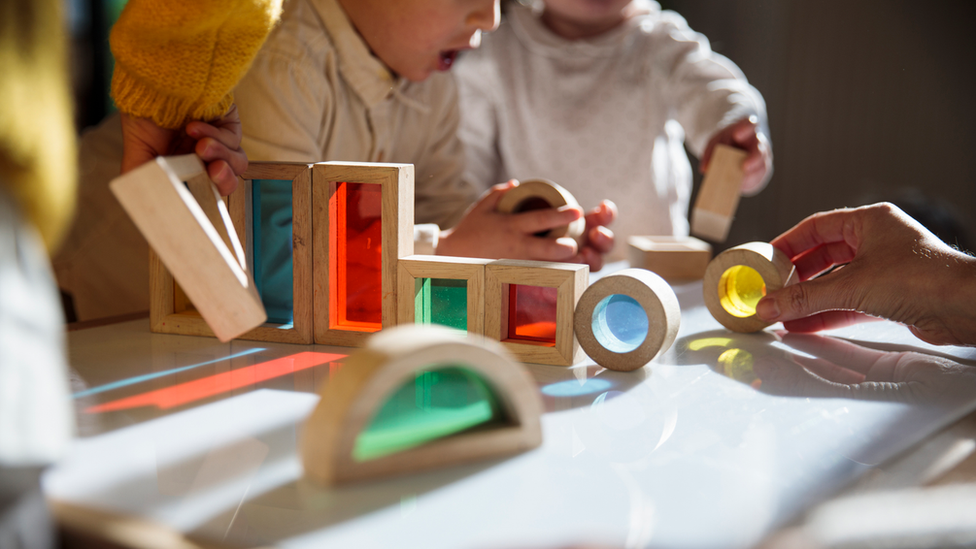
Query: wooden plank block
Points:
[369, 377]
[212, 274]
[738, 278]
[396, 183]
[601, 326]
[673, 258]
[470, 270]
[718, 196]
[533, 194]
[569, 281]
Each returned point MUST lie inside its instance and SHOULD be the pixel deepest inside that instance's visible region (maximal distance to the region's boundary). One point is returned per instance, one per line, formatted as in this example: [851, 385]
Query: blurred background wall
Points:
[868, 100]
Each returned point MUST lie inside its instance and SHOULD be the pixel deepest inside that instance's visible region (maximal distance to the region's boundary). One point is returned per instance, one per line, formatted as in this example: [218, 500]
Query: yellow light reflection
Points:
[737, 364]
[740, 289]
[706, 342]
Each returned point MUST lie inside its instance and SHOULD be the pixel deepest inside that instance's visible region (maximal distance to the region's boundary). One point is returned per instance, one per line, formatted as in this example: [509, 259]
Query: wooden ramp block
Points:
[673, 258]
[196, 241]
[529, 307]
[462, 401]
[537, 194]
[718, 196]
[626, 319]
[422, 280]
[739, 277]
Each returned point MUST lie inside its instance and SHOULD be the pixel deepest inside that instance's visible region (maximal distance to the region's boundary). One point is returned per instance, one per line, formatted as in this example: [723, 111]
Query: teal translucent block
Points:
[441, 301]
[271, 202]
[437, 403]
[619, 323]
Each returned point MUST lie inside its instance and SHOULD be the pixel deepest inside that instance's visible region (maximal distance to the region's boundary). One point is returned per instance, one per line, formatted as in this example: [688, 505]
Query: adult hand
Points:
[484, 232]
[746, 135]
[894, 268]
[217, 143]
[597, 239]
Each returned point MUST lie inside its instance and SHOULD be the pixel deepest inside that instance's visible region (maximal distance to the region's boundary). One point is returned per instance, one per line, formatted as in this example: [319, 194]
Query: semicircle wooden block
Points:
[738, 278]
[519, 199]
[396, 356]
[601, 335]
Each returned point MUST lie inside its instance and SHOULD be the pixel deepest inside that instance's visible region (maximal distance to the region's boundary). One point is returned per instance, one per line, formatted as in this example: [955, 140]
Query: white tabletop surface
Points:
[676, 454]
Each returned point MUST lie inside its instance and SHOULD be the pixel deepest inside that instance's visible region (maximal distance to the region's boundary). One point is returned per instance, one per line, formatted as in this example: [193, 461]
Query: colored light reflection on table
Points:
[271, 211]
[224, 382]
[441, 301]
[532, 314]
[619, 323]
[356, 259]
[740, 289]
[435, 404]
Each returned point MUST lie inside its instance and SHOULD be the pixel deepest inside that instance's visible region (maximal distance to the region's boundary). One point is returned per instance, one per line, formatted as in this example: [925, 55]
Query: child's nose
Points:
[487, 17]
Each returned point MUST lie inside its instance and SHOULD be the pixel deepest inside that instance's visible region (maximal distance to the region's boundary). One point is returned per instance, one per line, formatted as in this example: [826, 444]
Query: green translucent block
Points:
[271, 213]
[441, 301]
[437, 403]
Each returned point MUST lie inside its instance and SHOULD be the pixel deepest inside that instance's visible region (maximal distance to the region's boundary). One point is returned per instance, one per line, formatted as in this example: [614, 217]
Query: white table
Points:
[673, 455]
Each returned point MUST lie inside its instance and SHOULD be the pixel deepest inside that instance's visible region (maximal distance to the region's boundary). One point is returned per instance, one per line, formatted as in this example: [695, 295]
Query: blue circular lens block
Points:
[619, 323]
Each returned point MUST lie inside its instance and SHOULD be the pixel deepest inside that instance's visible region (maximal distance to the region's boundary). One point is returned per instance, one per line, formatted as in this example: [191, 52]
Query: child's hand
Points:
[483, 232]
[598, 239]
[745, 135]
[217, 143]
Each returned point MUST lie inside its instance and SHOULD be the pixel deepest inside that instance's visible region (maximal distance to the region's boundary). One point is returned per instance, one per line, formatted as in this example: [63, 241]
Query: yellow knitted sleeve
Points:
[178, 60]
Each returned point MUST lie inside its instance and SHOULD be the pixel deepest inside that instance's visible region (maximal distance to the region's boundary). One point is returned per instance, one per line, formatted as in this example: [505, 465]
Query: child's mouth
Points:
[446, 59]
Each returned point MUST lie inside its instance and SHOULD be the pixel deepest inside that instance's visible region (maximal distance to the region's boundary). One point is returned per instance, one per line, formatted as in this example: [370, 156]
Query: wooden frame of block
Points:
[369, 376]
[554, 195]
[718, 196]
[471, 270]
[570, 280]
[673, 258]
[656, 299]
[771, 264]
[397, 213]
[190, 229]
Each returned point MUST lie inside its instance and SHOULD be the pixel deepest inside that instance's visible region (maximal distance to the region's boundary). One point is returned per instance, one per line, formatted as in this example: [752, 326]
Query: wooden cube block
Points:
[626, 319]
[739, 277]
[188, 226]
[418, 280]
[718, 196]
[674, 258]
[346, 440]
[529, 308]
[536, 194]
[363, 223]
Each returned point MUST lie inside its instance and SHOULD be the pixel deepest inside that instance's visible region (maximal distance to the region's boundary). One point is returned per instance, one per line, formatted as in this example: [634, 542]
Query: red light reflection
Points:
[191, 391]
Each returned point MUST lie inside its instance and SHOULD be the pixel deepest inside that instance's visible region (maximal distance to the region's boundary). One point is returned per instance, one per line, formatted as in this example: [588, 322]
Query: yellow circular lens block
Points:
[740, 289]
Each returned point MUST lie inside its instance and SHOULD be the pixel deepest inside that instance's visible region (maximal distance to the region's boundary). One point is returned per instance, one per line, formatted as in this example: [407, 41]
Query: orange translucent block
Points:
[532, 314]
[356, 261]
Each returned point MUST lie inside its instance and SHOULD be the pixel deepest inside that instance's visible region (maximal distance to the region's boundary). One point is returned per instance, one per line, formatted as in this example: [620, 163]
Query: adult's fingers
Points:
[815, 261]
[827, 320]
[836, 291]
[819, 228]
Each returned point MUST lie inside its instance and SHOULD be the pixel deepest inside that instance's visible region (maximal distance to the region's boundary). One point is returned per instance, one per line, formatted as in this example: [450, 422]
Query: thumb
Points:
[802, 300]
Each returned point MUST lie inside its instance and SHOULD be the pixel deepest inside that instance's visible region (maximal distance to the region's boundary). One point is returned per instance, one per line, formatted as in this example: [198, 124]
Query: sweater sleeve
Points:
[178, 60]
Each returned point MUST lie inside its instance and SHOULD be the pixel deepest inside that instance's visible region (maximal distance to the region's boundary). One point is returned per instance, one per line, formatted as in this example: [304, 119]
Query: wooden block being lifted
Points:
[537, 194]
[718, 196]
[674, 258]
[626, 319]
[739, 277]
[195, 239]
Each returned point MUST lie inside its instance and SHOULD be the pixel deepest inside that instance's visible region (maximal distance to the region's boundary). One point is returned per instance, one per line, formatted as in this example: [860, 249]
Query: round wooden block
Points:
[535, 194]
[738, 277]
[603, 333]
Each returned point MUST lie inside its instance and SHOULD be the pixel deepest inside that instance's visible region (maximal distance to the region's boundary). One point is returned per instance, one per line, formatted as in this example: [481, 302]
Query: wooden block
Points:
[536, 194]
[208, 262]
[400, 355]
[626, 319]
[415, 268]
[738, 278]
[718, 196]
[550, 339]
[673, 258]
[356, 259]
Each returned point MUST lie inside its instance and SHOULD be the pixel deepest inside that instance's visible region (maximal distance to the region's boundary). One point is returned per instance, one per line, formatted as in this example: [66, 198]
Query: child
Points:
[599, 97]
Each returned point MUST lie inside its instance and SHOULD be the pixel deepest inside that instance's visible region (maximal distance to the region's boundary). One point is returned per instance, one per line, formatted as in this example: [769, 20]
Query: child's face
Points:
[586, 17]
[417, 37]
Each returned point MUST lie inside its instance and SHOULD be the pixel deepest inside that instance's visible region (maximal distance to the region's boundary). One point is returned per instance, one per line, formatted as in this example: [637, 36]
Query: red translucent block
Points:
[356, 266]
[532, 314]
